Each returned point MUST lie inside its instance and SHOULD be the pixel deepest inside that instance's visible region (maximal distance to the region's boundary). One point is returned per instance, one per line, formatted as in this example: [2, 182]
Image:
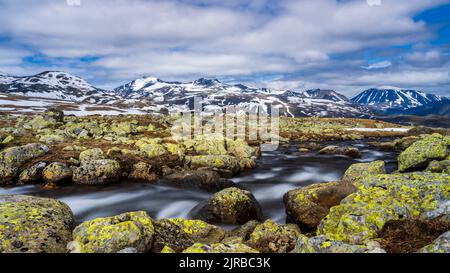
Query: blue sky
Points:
[346, 45]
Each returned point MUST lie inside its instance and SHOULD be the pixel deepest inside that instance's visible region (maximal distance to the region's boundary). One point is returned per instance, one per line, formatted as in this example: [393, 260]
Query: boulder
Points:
[321, 244]
[53, 114]
[12, 158]
[346, 151]
[438, 166]
[358, 171]
[362, 215]
[220, 248]
[307, 206]
[98, 172]
[241, 233]
[440, 245]
[179, 234]
[57, 173]
[32, 174]
[142, 172]
[112, 234]
[270, 237]
[420, 153]
[34, 225]
[90, 155]
[204, 180]
[229, 206]
[224, 164]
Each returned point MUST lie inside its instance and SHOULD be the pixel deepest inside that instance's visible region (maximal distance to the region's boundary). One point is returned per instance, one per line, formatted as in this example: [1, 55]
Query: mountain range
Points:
[150, 94]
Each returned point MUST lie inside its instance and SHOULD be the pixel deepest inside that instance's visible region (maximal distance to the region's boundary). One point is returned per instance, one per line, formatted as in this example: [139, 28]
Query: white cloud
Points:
[184, 38]
[378, 65]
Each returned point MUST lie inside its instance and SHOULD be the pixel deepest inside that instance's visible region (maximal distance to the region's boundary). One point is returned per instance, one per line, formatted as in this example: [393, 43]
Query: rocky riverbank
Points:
[368, 210]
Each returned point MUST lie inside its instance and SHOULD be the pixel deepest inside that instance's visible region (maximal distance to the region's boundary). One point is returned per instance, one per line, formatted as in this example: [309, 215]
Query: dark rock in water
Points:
[229, 206]
[307, 206]
[34, 225]
[209, 181]
[336, 150]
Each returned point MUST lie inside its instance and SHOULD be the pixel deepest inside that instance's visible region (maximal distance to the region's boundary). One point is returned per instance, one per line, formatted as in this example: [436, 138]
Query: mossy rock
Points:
[438, 166]
[307, 206]
[362, 215]
[98, 172]
[358, 171]
[112, 234]
[220, 248]
[90, 155]
[321, 244]
[142, 172]
[336, 150]
[242, 233]
[229, 206]
[12, 158]
[225, 164]
[420, 153]
[35, 225]
[32, 174]
[440, 245]
[270, 237]
[56, 173]
[213, 144]
[51, 139]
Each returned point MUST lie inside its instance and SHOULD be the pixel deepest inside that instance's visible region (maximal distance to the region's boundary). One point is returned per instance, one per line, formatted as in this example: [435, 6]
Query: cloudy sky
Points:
[346, 45]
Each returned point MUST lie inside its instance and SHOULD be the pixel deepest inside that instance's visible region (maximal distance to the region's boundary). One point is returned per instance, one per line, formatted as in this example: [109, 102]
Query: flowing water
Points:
[277, 172]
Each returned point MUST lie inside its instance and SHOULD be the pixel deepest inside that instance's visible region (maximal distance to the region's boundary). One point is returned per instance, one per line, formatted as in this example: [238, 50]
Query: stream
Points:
[276, 173]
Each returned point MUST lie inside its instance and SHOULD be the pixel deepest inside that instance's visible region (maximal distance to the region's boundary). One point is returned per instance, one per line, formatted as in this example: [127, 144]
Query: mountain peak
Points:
[206, 82]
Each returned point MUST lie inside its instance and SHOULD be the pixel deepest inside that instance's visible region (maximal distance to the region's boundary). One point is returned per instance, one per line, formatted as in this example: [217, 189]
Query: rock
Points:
[53, 114]
[57, 173]
[142, 172]
[421, 152]
[270, 237]
[220, 248]
[179, 234]
[362, 215]
[39, 122]
[123, 129]
[209, 181]
[12, 158]
[90, 155]
[336, 150]
[98, 172]
[167, 249]
[303, 150]
[307, 206]
[112, 234]
[241, 233]
[51, 139]
[213, 144]
[240, 149]
[438, 166]
[175, 149]
[440, 245]
[221, 163]
[128, 250]
[32, 174]
[321, 244]
[229, 206]
[35, 225]
[7, 140]
[170, 234]
[358, 171]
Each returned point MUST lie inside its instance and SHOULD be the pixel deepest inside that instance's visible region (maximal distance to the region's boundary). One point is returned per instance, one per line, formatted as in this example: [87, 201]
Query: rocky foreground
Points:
[367, 211]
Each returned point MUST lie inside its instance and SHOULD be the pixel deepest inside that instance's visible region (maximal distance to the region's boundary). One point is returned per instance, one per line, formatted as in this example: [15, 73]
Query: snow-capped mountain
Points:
[391, 98]
[54, 85]
[161, 94]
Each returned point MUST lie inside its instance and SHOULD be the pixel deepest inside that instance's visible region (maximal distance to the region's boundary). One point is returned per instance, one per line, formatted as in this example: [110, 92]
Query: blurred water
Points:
[277, 172]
